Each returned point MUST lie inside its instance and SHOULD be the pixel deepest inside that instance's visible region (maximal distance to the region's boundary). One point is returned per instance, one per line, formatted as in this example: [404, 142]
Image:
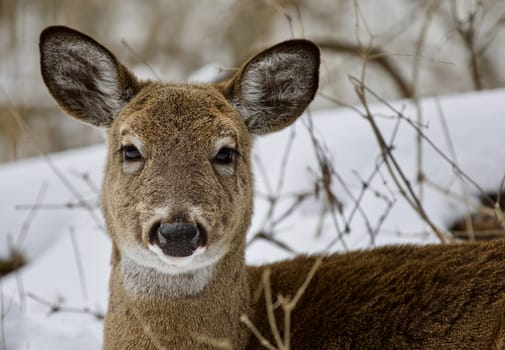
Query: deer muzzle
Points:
[178, 239]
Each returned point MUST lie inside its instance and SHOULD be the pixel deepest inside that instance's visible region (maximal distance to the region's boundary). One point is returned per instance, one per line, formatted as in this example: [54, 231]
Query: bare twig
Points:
[300, 21]
[270, 237]
[263, 173]
[58, 307]
[432, 6]
[267, 289]
[283, 12]
[437, 149]
[366, 187]
[375, 55]
[2, 318]
[326, 172]
[135, 54]
[80, 268]
[269, 222]
[289, 305]
[299, 199]
[59, 174]
[54, 206]
[15, 261]
[394, 168]
[452, 152]
[284, 162]
[468, 34]
[85, 177]
[263, 341]
[498, 209]
[25, 227]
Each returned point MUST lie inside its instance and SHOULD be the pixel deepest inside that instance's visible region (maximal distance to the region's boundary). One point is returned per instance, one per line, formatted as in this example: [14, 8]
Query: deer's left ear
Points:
[274, 88]
[85, 78]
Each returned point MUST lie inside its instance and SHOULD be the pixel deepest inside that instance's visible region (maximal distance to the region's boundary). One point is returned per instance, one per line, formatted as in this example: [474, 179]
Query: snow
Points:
[50, 235]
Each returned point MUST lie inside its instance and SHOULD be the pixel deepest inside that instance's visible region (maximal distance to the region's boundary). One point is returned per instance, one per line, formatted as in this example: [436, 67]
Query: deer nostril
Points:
[178, 232]
[178, 239]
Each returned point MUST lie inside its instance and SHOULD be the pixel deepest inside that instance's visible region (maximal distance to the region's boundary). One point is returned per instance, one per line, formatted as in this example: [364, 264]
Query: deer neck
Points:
[181, 311]
[144, 282]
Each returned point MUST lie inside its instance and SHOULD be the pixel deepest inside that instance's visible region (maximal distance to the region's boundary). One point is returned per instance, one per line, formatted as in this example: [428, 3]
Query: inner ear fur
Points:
[85, 78]
[275, 87]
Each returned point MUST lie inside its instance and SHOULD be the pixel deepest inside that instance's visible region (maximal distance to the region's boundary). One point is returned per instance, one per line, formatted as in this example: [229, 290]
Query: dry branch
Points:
[375, 55]
[400, 179]
[55, 307]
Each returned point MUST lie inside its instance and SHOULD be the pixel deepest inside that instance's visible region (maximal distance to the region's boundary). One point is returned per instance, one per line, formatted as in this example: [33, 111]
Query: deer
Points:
[177, 198]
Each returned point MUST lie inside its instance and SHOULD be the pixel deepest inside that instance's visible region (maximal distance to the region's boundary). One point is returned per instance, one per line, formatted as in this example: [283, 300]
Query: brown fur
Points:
[402, 297]
[399, 297]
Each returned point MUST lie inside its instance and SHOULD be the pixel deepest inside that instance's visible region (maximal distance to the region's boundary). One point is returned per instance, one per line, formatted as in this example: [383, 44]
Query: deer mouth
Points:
[178, 239]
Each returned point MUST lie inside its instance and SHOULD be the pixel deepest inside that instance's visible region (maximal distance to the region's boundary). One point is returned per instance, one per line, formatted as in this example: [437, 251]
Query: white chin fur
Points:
[177, 262]
[155, 259]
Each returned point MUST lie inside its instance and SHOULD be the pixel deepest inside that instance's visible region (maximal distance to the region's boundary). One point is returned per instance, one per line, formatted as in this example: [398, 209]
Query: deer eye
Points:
[131, 153]
[225, 156]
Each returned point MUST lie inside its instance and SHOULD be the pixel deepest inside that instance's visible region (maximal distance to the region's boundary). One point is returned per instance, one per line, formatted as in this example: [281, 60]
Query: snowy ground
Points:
[68, 252]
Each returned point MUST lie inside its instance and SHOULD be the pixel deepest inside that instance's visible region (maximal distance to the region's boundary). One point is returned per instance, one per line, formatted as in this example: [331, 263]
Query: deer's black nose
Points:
[178, 239]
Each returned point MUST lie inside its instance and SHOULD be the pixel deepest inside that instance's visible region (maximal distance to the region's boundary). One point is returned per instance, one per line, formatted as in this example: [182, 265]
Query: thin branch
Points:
[53, 206]
[468, 34]
[15, 261]
[437, 149]
[25, 227]
[270, 309]
[452, 152]
[289, 306]
[299, 199]
[326, 173]
[80, 267]
[282, 11]
[59, 174]
[432, 6]
[2, 318]
[134, 53]
[263, 341]
[270, 237]
[376, 55]
[284, 162]
[58, 307]
[392, 164]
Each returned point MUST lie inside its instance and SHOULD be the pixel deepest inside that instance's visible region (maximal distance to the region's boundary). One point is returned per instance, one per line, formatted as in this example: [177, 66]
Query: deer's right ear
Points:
[274, 87]
[84, 77]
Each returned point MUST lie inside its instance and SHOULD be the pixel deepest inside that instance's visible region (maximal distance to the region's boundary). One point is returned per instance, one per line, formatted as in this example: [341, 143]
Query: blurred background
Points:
[415, 47]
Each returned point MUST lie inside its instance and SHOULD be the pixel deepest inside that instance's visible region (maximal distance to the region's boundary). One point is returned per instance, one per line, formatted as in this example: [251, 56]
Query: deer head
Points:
[177, 194]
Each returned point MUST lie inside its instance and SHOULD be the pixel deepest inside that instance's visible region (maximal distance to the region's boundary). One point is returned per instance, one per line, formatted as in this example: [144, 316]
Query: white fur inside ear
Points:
[276, 87]
[83, 77]
[271, 79]
[103, 75]
[106, 75]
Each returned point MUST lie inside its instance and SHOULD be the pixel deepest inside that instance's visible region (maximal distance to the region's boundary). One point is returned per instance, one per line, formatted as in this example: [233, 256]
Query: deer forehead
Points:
[197, 116]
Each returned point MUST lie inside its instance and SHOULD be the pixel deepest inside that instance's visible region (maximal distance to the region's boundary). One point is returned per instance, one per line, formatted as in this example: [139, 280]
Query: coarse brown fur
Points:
[400, 297]
[180, 153]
